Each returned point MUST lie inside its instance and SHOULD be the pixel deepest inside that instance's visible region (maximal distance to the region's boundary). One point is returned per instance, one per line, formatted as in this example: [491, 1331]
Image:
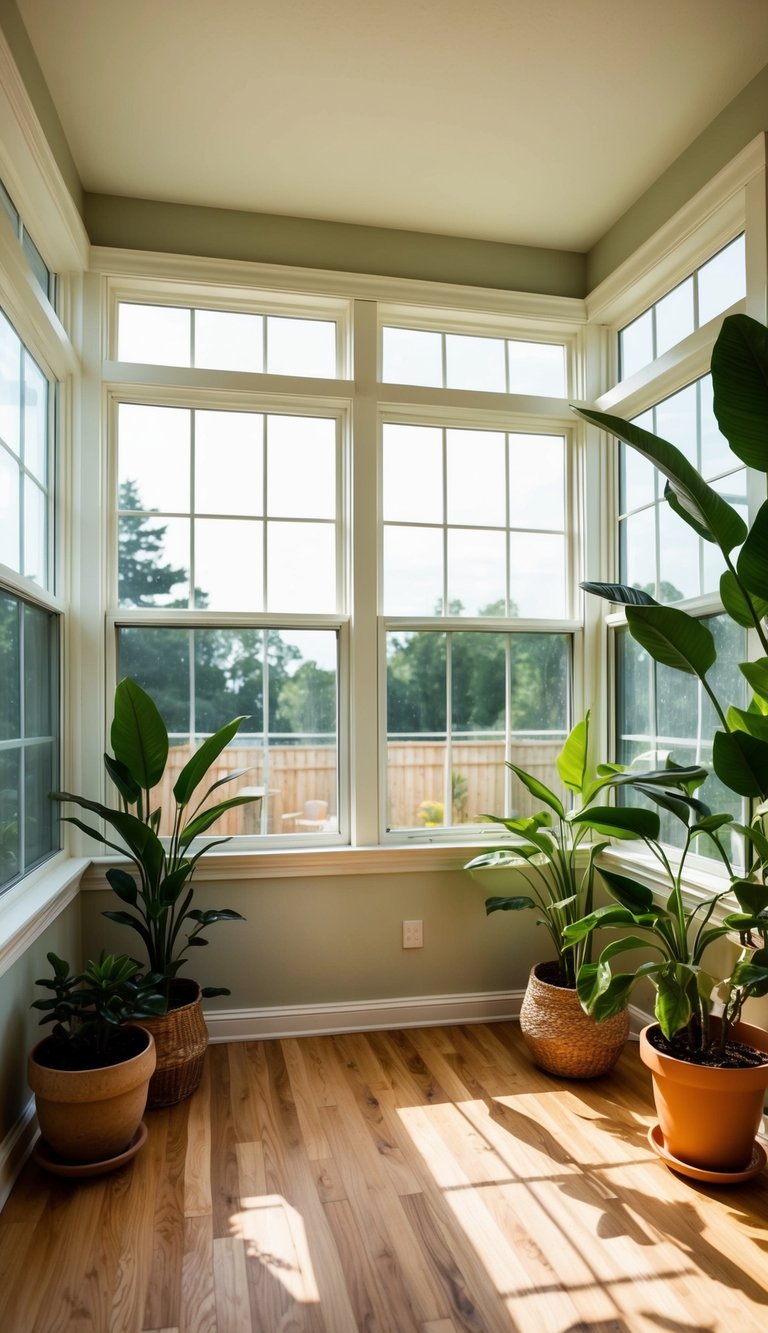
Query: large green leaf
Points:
[620, 821]
[620, 592]
[138, 735]
[673, 638]
[742, 606]
[499, 904]
[682, 806]
[138, 836]
[610, 915]
[756, 673]
[202, 822]
[752, 563]
[741, 719]
[572, 759]
[128, 789]
[673, 1007]
[538, 789]
[196, 768]
[740, 388]
[741, 762]
[634, 897]
[696, 502]
[750, 895]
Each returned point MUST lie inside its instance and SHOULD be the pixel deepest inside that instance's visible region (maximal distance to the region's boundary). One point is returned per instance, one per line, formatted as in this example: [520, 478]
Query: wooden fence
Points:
[416, 775]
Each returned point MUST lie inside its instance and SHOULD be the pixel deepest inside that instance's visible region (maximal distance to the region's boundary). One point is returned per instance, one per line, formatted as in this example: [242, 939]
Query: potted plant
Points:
[710, 1073]
[157, 896]
[555, 858]
[90, 1075]
[739, 369]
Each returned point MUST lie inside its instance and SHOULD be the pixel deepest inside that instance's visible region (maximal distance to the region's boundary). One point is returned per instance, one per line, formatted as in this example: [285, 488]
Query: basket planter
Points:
[708, 1117]
[91, 1115]
[563, 1039]
[181, 1038]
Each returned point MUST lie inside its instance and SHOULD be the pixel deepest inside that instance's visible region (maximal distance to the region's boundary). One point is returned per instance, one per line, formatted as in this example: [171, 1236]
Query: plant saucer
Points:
[50, 1161]
[756, 1163]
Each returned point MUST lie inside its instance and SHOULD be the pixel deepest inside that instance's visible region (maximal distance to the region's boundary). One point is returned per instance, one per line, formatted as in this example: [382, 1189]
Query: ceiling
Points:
[535, 122]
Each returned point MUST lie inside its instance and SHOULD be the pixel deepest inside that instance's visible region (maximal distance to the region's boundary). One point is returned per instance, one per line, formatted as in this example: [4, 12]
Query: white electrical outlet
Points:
[413, 934]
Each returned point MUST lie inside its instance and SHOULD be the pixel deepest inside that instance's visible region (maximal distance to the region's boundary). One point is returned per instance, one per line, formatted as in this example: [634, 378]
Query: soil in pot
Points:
[124, 1043]
[561, 1038]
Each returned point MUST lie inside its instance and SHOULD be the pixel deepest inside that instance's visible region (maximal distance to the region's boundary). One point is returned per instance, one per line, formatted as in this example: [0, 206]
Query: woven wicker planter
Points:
[181, 1039]
[563, 1039]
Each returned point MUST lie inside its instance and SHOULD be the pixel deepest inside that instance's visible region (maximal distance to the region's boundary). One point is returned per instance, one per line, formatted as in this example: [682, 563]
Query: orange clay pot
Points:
[708, 1117]
[91, 1115]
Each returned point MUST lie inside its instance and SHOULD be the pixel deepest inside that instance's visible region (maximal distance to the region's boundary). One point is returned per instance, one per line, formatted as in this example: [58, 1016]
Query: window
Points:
[469, 361]
[43, 276]
[706, 293]
[24, 461]
[169, 335]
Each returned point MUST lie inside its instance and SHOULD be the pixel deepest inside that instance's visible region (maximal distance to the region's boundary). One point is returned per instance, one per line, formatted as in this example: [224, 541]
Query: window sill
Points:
[312, 863]
[28, 908]
[699, 884]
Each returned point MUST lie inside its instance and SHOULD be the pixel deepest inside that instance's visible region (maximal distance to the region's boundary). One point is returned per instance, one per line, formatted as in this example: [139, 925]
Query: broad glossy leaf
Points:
[756, 838]
[620, 821]
[613, 1000]
[124, 885]
[629, 892]
[138, 735]
[741, 762]
[621, 593]
[737, 601]
[697, 502]
[750, 896]
[538, 789]
[196, 768]
[202, 822]
[740, 387]
[673, 1007]
[122, 779]
[208, 992]
[508, 904]
[752, 562]
[756, 673]
[572, 759]
[673, 638]
[610, 915]
[755, 723]
[677, 803]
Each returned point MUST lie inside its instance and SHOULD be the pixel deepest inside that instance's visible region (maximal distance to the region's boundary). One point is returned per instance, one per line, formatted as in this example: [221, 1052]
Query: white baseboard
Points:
[298, 1020]
[16, 1147]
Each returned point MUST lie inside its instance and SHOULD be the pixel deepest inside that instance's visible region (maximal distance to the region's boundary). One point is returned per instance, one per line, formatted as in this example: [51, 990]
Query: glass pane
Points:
[413, 474]
[7, 203]
[674, 316]
[475, 363]
[636, 345]
[679, 552]
[289, 751]
[36, 262]
[154, 457]
[677, 421]
[733, 489]
[227, 340]
[413, 571]
[537, 481]
[537, 368]
[637, 547]
[637, 477]
[153, 561]
[158, 659]
[301, 567]
[10, 386]
[301, 347]
[9, 511]
[229, 463]
[10, 841]
[10, 701]
[476, 477]
[157, 334]
[40, 817]
[716, 456]
[536, 575]
[412, 356]
[722, 281]
[478, 719]
[35, 420]
[416, 730]
[476, 572]
[229, 564]
[35, 544]
[301, 467]
[635, 695]
[539, 710]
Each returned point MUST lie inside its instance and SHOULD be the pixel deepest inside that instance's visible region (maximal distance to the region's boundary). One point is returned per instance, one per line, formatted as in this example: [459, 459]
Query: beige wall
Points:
[331, 939]
[19, 1028]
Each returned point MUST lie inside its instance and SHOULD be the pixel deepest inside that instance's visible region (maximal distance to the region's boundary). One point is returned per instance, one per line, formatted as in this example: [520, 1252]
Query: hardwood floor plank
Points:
[197, 1168]
[427, 1181]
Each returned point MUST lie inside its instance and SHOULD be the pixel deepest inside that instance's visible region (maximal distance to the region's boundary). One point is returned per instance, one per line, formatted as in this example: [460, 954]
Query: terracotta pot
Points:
[708, 1117]
[563, 1039]
[181, 1038]
[90, 1115]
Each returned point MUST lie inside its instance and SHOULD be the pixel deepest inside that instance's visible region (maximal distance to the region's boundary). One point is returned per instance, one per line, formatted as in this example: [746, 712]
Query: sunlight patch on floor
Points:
[276, 1236]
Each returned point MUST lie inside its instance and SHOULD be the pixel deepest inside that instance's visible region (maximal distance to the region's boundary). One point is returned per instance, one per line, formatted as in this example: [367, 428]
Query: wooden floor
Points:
[425, 1181]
